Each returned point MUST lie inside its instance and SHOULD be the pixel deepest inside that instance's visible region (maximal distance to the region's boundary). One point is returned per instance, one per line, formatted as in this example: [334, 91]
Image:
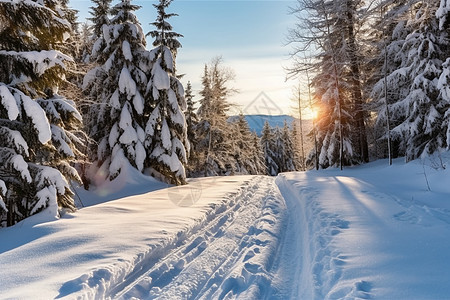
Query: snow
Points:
[20, 165]
[37, 116]
[126, 50]
[125, 117]
[160, 77]
[138, 103]
[368, 232]
[126, 83]
[165, 136]
[16, 138]
[2, 193]
[9, 102]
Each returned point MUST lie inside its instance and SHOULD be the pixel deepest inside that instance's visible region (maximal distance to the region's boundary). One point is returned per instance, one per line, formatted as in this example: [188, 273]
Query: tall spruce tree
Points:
[331, 29]
[37, 125]
[167, 140]
[119, 87]
[415, 53]
[287, 161]
[213, 130]
[247, 156]
[190, 114]
[269, 145]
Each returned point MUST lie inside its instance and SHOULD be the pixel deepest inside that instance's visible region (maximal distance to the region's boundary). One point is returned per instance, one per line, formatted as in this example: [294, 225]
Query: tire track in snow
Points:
[229, 254]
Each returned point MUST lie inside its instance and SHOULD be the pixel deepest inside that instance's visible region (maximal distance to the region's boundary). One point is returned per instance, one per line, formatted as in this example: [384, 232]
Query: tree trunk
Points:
[356, 86]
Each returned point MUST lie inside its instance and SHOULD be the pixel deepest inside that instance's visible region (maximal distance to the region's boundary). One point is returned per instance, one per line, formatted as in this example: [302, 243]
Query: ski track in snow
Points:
[228, 254]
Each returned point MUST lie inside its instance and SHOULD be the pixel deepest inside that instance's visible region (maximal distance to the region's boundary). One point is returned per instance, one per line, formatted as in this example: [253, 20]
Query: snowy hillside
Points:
[369, 232]
[256, 122]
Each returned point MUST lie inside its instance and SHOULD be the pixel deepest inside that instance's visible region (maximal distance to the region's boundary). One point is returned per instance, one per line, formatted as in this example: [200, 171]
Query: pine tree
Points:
[287, 153]
[119, 87]
[166, 128]
[214, 146]
[100, 21]
[268, 144]
[246, 154]
[297, 144]
[333, 28]
[190, 114]
[37, 126]
[100, 12]
[416, 52]
[258, 158]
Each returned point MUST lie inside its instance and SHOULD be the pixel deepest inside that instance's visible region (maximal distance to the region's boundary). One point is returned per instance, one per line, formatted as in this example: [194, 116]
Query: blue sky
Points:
[249, 35]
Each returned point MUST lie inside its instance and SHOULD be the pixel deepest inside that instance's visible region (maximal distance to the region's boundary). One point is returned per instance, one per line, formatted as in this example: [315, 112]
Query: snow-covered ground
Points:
[368, 232]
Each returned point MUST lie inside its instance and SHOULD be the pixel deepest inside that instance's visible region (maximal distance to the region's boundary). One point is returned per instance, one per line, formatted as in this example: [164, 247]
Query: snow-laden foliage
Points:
[35, 146]
[214, 146]
[37, 126]
[268, 142]
[166, 128]
[443, 14]
[248, 155]
[138, 116]
[118, 85]
[414, 51]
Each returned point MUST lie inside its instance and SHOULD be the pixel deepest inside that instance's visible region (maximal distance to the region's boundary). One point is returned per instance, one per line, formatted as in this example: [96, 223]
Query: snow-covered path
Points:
[372, 232]
[365, 238]
[232, 253]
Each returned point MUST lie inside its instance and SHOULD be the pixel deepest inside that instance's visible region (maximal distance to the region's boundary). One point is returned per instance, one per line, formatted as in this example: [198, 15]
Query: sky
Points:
[249, 35]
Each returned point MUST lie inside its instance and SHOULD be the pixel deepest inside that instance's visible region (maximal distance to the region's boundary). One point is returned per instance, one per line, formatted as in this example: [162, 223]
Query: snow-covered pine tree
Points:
[268, 144]
[190, 114]
[246, 162]
[298, 147]
[100, 12]
[191, 122]
[443, 85]
[119, 88]
[386, 86]
[424, 51]
[167, 140]
[287, 153]
[258, 158]
[37, 126]
[214, 145]
[415, 65]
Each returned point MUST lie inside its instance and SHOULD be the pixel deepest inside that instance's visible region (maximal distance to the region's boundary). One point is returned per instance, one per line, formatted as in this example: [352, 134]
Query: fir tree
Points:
[100, 12]
[119, 87]
[213, 130]
[166, 128]
[190, 114]
[333, 28]
[37, 126]
[268, 143]
[414, 67]
[100, 26]
[287, 152]
[246, 154]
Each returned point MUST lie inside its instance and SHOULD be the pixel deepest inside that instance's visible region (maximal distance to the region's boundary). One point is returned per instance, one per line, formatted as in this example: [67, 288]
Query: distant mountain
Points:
[256, 122]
